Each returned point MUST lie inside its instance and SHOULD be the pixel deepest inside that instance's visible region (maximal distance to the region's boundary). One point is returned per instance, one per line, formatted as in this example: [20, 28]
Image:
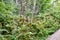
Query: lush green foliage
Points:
[44, 5]
[15, 27]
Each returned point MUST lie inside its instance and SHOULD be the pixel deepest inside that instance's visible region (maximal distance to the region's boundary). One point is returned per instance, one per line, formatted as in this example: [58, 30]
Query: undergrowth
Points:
[15, 27]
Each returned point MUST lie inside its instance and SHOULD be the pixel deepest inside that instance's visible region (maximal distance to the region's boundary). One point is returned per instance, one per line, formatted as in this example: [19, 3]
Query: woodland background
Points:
[28, 19]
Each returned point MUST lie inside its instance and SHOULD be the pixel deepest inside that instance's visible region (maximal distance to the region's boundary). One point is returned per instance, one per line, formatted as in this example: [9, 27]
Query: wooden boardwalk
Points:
[55, 36]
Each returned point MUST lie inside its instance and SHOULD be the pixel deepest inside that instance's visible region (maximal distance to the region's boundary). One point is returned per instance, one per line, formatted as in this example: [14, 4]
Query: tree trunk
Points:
[22, 2]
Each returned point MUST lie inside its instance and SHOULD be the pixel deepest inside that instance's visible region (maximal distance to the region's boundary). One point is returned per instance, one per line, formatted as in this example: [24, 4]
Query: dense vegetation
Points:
[29, 26]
